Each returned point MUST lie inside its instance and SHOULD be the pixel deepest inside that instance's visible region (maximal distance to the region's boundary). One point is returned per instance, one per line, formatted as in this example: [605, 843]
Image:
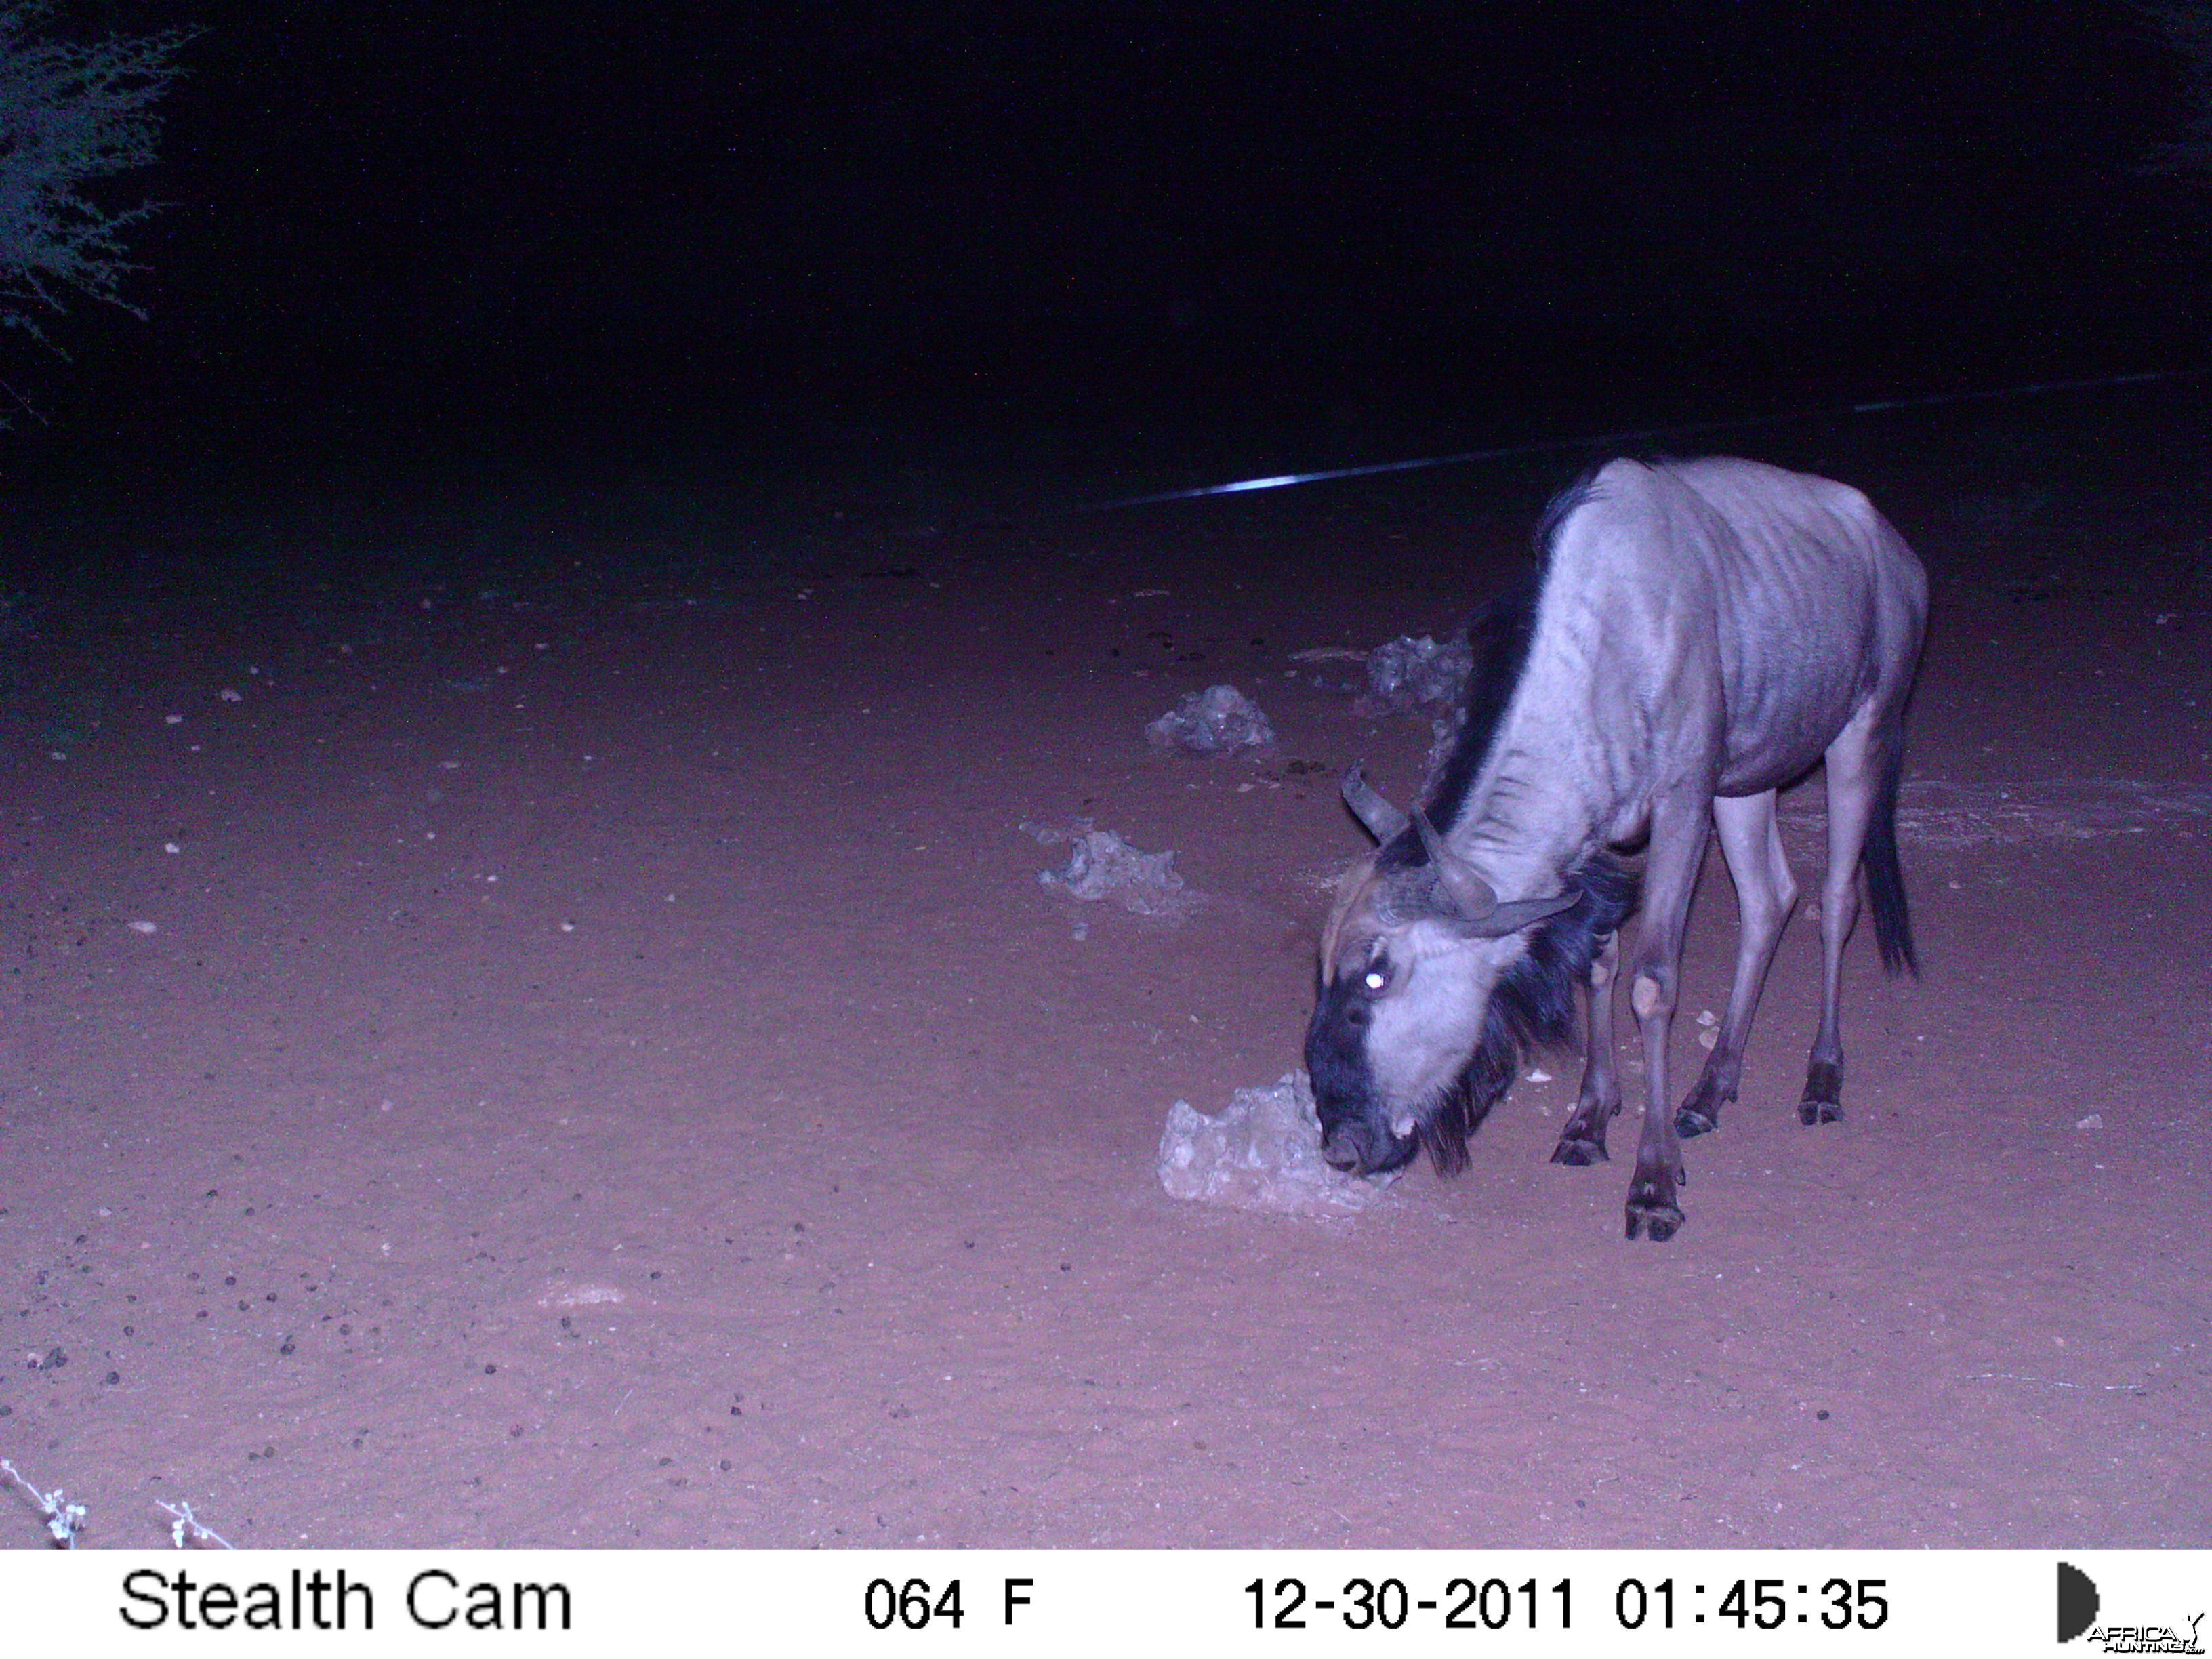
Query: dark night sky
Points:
[483, 222]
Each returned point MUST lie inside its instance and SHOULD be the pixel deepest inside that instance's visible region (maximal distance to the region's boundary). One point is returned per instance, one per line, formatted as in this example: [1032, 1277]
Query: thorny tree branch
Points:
[71, 117]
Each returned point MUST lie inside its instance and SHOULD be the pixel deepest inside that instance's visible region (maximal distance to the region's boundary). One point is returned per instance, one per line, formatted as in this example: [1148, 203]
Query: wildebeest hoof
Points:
[1658, 1222]
[1579, 1151]
[1652, 1209]
[1824, 1093]
[1694, 1121]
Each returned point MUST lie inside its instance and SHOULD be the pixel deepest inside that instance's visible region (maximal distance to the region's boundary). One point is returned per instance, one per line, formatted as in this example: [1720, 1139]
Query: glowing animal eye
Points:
[1376, 979]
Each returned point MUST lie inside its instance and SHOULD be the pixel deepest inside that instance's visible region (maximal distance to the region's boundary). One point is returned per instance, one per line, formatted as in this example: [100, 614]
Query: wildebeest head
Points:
[1417, 944]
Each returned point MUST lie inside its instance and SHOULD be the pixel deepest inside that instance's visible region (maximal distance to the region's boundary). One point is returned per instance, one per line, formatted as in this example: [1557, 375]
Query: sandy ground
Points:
[563, 1042]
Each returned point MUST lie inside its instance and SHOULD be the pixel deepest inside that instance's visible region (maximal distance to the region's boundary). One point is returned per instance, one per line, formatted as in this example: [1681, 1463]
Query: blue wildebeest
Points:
[1695, 635]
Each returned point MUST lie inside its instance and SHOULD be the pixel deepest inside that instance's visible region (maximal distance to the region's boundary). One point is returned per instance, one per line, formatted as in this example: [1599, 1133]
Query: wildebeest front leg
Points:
[1581, 1142]
[1680, 824]
[1764, 896]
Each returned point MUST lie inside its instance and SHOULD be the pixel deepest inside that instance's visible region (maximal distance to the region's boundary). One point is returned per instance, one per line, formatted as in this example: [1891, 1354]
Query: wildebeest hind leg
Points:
[1581, 1142]
[1855, 765]
[1764, 894]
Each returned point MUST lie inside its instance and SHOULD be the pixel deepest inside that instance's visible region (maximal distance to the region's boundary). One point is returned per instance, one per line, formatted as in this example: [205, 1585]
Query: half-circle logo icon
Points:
[2077, 1601]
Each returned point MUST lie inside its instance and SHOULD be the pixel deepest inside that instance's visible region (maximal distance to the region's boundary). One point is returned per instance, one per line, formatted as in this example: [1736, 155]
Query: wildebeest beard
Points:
[1531, 1005]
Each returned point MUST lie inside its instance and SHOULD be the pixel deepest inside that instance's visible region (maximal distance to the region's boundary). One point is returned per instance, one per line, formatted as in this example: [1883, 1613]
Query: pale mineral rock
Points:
[1407, 675]
[1262, 1152]
[1219, 721]
[1102, 866]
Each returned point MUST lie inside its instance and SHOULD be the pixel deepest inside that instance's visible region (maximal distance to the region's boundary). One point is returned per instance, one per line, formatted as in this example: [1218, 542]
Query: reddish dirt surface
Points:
[603, 1070]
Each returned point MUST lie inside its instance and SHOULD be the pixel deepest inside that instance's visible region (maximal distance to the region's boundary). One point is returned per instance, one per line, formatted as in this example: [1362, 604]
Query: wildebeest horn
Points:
[1474, 902]
[1471, 895]
[1377, 815]
[1513, 914]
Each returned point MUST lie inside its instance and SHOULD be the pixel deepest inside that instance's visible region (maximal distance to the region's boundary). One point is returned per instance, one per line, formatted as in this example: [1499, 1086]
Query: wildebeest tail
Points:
[1885, 874]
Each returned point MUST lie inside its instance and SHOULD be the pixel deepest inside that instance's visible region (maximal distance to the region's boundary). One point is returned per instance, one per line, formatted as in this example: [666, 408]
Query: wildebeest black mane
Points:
[1533, 1006]
[1499, 634]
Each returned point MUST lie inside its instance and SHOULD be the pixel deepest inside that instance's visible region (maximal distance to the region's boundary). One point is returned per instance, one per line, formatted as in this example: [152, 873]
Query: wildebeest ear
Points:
[1513, 914]
[1375, 815]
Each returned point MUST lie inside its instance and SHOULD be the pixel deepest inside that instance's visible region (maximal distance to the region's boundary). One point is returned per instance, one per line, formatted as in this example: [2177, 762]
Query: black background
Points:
[429, 227]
